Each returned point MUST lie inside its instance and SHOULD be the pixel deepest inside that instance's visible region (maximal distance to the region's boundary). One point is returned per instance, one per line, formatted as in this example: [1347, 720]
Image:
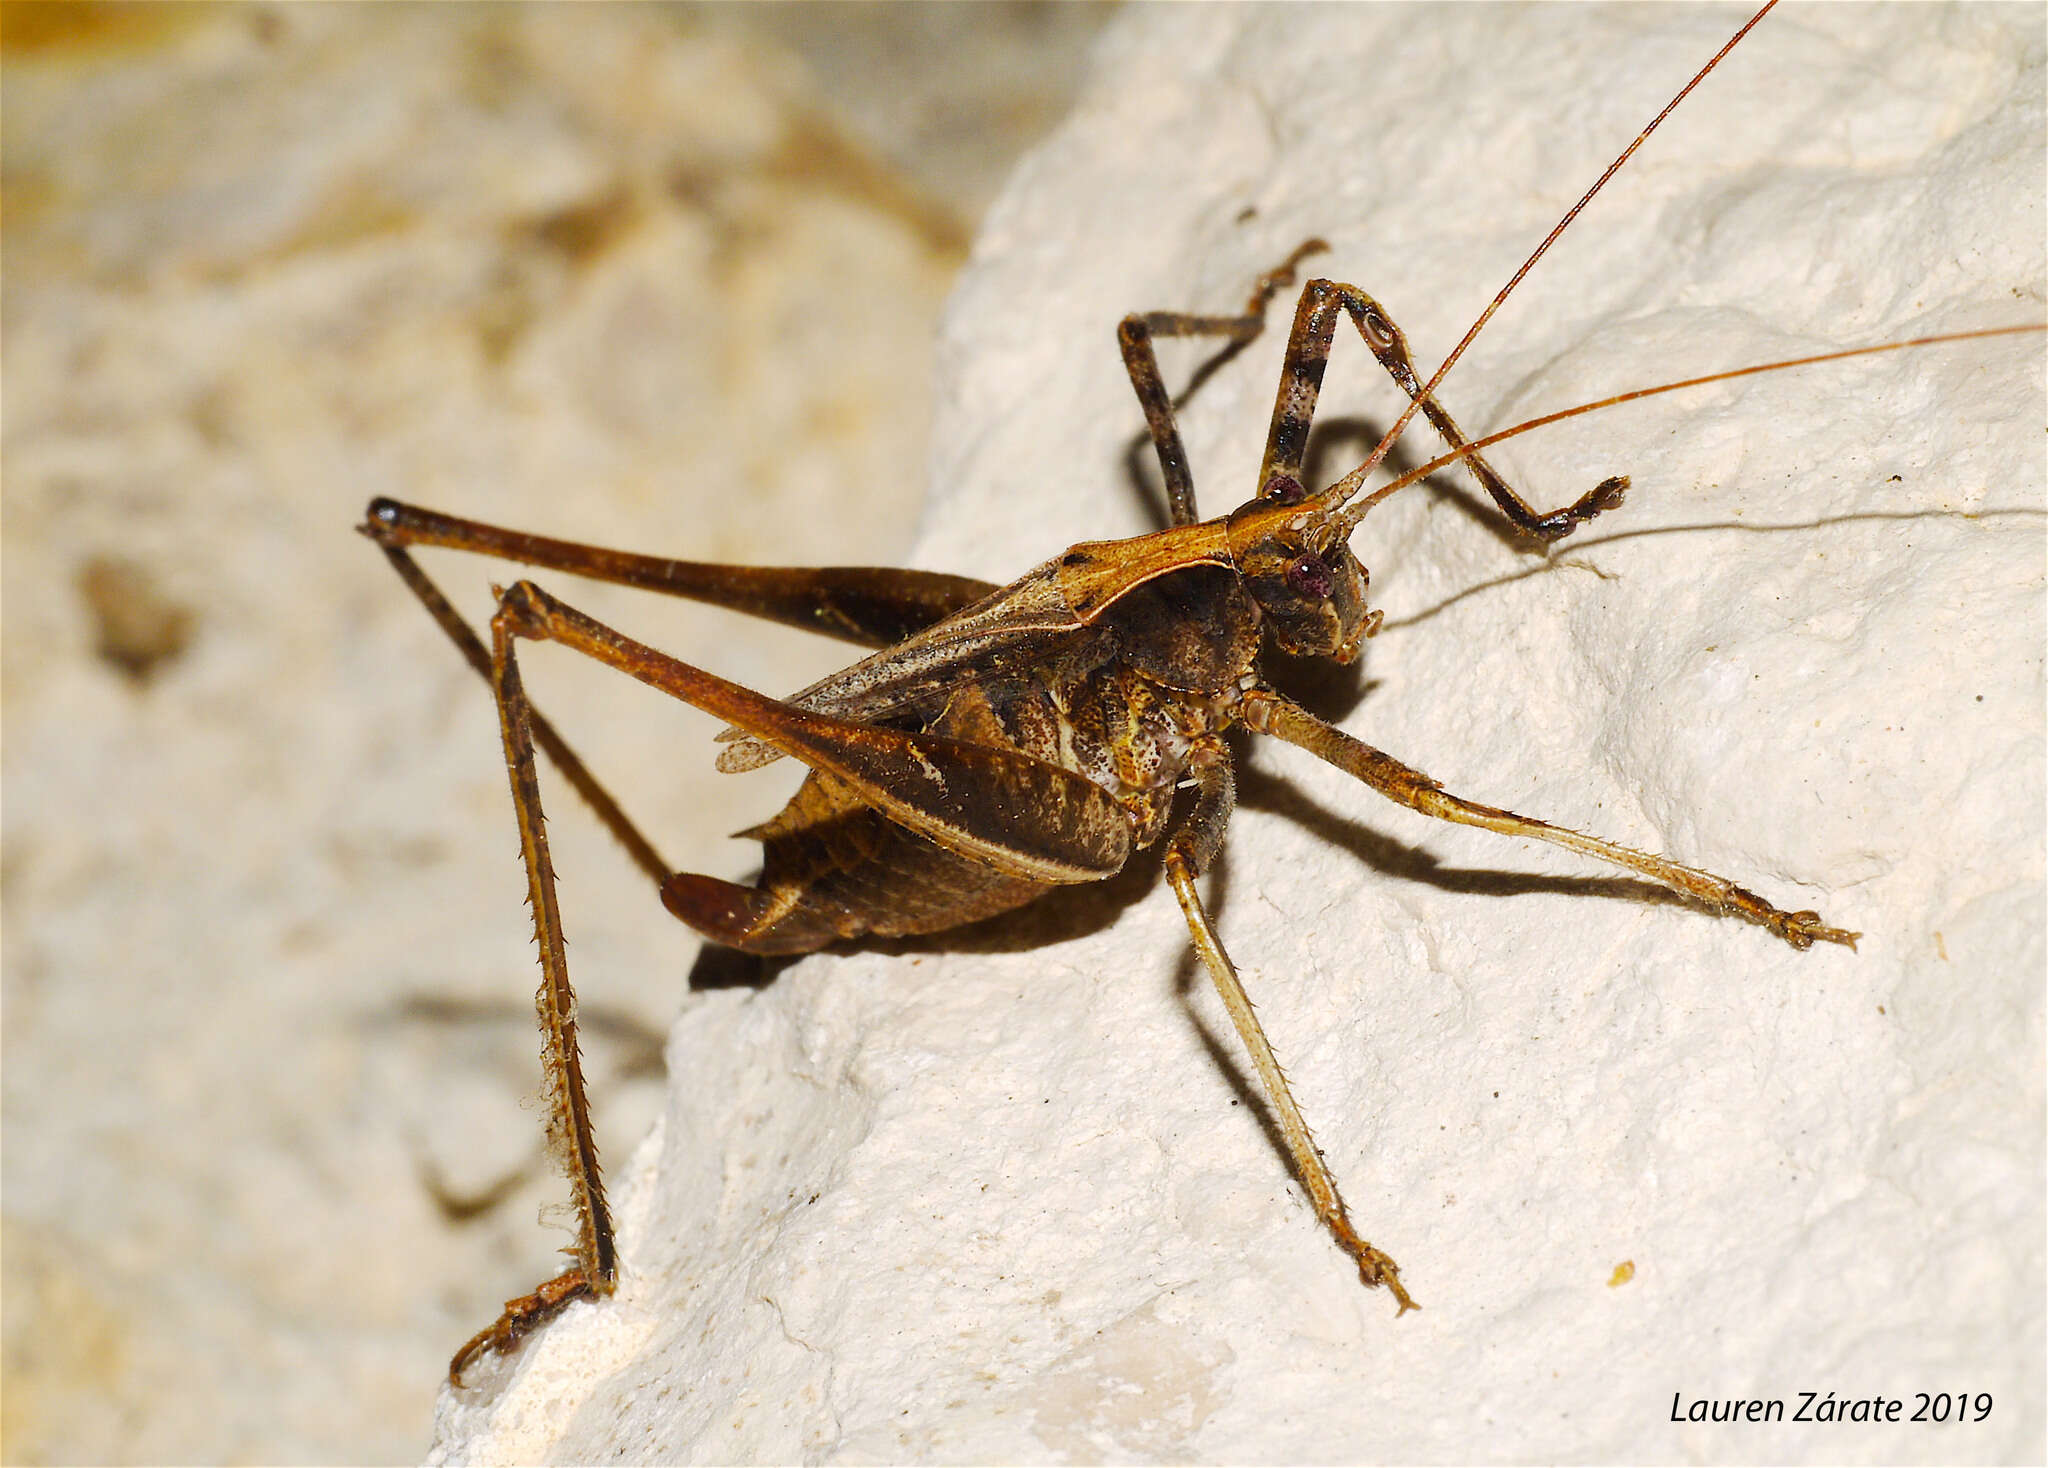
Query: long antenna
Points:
[1344, 488]
[1357, 512]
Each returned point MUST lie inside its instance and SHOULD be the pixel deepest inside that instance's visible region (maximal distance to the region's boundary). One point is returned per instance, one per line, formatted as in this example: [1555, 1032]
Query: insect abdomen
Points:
[834, 868]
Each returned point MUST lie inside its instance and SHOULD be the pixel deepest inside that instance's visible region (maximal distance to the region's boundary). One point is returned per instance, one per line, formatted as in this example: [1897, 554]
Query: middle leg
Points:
[1134, 336]
[1193, 847]
[1268, 713]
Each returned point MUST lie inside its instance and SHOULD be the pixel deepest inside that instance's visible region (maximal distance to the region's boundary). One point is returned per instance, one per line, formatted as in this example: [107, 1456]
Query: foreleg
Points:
[1308, 353]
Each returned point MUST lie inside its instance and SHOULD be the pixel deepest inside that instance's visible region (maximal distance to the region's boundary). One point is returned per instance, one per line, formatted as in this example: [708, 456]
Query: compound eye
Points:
[1283, 489]
[1310, 576]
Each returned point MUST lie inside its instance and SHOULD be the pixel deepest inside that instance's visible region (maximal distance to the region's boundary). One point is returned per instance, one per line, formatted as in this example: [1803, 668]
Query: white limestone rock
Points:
[1009, 1203]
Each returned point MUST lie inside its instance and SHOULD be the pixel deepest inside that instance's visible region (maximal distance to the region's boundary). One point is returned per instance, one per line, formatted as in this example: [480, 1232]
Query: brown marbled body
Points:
[1118, 702]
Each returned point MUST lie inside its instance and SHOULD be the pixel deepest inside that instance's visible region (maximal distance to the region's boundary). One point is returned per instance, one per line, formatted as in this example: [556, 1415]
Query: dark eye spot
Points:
[1283, 489]
[1309, 576]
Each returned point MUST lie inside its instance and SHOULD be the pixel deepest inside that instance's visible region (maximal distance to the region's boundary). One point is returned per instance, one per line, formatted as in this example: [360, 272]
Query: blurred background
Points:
[661, 277]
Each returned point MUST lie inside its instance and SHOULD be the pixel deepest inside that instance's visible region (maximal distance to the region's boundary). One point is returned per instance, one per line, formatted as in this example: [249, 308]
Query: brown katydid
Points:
[1089, 641]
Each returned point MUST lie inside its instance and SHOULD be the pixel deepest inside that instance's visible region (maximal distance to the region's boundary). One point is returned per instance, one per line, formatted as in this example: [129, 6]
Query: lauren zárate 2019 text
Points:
[1827, 1407]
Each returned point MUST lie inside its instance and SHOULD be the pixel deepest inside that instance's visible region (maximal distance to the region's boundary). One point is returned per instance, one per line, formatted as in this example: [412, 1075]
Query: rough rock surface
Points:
[1009, 1198]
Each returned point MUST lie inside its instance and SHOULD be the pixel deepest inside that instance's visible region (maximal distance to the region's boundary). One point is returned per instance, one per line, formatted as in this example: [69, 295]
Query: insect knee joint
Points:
[524, 610]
